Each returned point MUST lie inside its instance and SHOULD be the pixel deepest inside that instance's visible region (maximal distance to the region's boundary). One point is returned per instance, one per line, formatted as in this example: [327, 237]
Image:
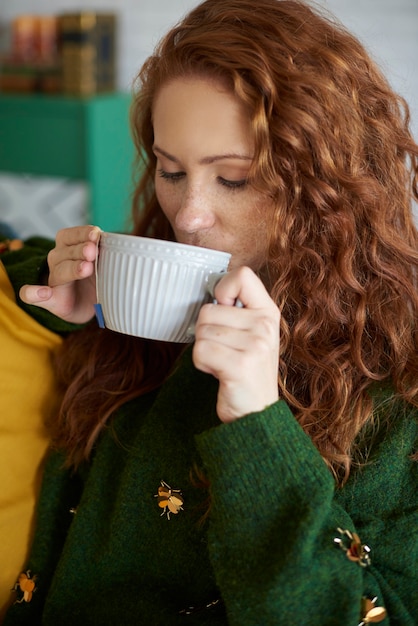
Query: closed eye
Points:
[232, 184]
[173, 177]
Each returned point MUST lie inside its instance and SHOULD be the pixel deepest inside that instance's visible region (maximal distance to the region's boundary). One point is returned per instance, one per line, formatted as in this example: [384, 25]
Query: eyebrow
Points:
[208, 159]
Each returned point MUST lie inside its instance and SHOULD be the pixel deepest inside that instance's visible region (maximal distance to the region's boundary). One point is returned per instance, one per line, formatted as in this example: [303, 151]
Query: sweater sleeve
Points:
[275, 517]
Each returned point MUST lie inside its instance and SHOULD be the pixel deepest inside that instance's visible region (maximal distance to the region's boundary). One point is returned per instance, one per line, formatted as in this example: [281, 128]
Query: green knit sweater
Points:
[106, 552]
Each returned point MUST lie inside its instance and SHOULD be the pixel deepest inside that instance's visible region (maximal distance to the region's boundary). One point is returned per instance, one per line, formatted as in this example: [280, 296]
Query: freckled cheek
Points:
[168, 200]
[254, 236]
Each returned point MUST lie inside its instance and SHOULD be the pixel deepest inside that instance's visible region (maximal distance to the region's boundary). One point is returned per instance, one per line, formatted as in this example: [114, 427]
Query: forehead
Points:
[203, 112]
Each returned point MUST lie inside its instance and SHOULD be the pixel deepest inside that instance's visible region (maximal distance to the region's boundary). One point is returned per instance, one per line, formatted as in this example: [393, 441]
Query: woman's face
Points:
[204, 147]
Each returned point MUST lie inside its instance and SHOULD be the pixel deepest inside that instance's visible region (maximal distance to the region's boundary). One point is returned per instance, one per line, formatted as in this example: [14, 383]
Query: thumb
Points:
[57, 300]
[39, 295]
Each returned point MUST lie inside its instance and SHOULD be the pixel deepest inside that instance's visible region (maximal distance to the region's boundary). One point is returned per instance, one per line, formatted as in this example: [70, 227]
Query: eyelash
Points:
[229, 184]
[172, 177]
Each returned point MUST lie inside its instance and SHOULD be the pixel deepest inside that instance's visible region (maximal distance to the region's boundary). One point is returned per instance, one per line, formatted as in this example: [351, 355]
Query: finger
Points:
[262, 321]
[262, 339]
[77, 234]
[69, 246]
[215, 358]
[236, 340]
[247, 381]
[72, 259]
[220, 315]
[243, 285]
[35, 294]
[68, 271]
[60, 301]
[260, 343]
[44, 298]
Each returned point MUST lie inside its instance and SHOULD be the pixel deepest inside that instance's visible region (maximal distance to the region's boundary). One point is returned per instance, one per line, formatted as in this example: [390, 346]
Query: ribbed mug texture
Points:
[152, 288]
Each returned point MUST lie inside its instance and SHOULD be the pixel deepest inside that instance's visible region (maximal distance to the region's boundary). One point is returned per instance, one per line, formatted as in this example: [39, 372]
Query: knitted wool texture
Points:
[267, 547]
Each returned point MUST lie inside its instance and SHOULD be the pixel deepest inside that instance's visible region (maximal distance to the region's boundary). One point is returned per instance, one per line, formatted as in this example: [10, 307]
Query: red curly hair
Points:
[334, 150]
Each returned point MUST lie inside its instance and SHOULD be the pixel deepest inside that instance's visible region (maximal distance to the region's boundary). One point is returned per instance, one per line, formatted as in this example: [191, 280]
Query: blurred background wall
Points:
[389, 28]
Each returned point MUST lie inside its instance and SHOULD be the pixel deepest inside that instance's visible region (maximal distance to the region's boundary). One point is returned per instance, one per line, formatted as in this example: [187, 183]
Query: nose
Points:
[195, 212]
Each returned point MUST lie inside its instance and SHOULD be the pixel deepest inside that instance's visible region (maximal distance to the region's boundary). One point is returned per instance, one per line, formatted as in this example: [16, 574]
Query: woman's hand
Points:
[240, 346]
[71, 290]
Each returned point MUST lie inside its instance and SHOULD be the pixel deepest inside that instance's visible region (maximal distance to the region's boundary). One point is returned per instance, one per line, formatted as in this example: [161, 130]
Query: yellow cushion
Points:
[27, 397]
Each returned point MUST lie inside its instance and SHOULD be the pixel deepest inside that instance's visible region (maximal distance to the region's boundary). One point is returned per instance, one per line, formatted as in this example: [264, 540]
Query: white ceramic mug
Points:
[153, 288]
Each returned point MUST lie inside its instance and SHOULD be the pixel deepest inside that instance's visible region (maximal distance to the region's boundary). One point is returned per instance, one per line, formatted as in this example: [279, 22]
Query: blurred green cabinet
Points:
[77, 138]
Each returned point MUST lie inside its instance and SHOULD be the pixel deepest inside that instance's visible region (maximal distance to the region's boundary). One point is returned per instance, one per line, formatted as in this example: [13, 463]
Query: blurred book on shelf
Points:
[71, 53]
[88, 52]
[33, 63]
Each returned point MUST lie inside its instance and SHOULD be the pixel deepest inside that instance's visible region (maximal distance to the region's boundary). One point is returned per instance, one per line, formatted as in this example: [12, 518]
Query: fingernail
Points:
[95, 233]
[44, 293]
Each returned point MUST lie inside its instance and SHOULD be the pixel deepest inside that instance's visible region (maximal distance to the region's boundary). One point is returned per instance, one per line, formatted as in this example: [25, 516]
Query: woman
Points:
[279, 448]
